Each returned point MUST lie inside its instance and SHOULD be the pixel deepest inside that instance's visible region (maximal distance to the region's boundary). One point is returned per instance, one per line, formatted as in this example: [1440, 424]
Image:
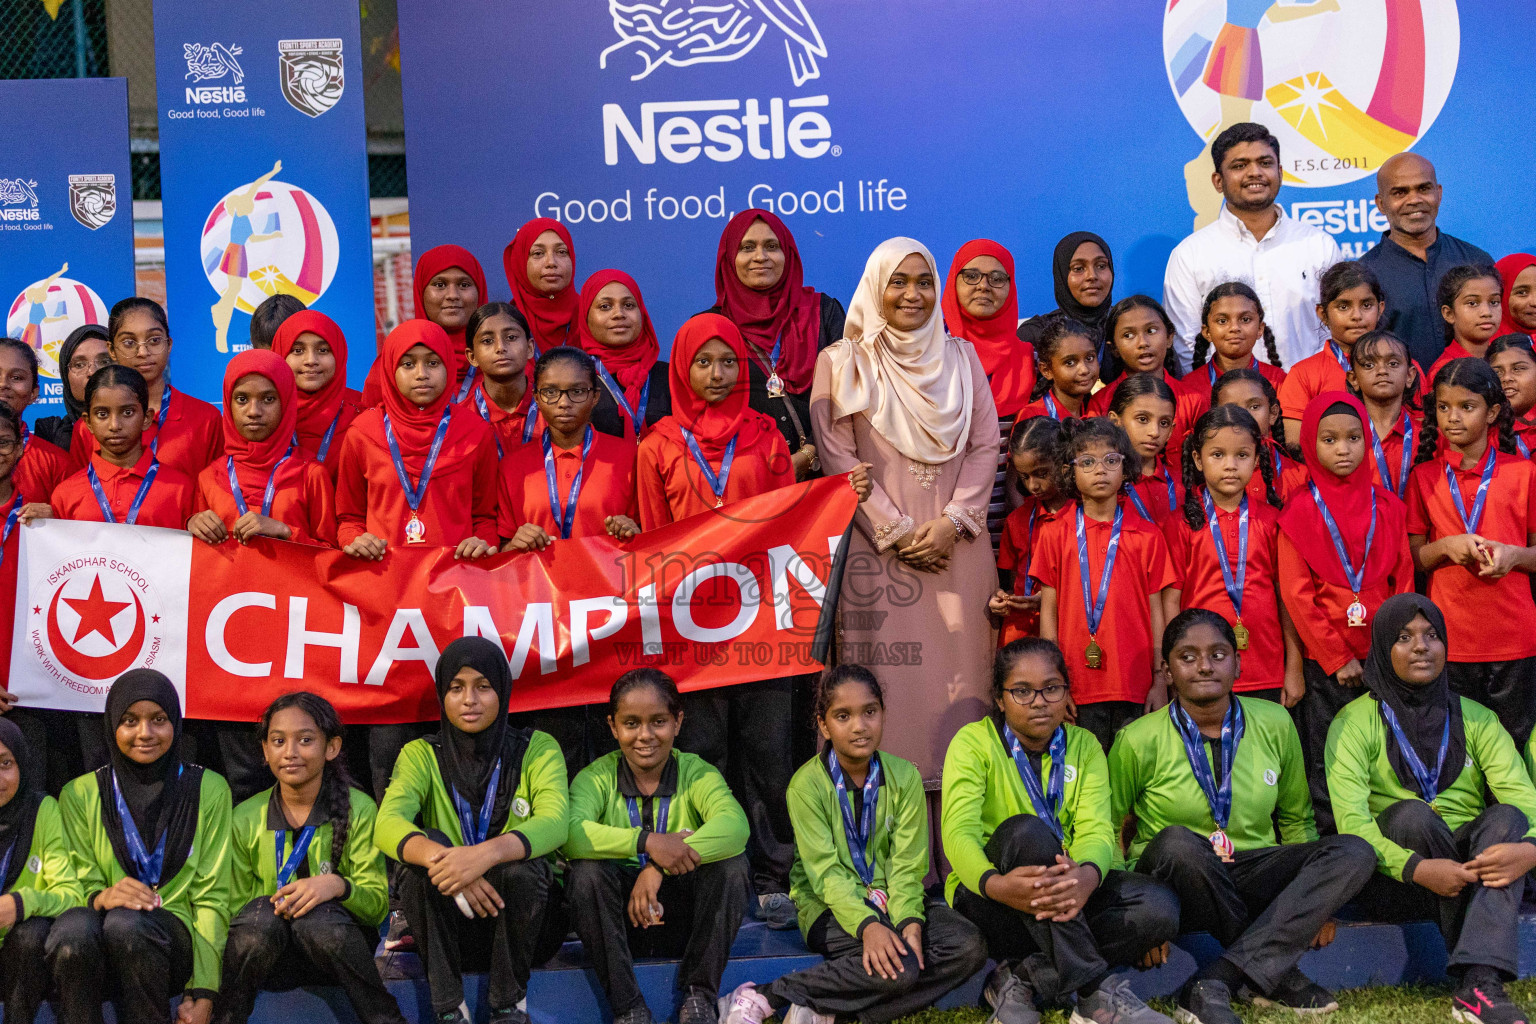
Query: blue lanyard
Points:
[1173, 498]
[5, 535]
[485, 414]
[1211, 367]
[1404, 464]
[1473, 521]
[1429, 785]
[565, 522]
[1048, 801]
[1051, 409]
[267, 495]
[1233, 583]
[637, 414]
[414, 495]
[662, 807]
[1524, 449]
[146, 866]
[1356, 577]
[1029, 587]
[5, 862]
[1094, 608]
[467, 387]
[286, 868]
[476, 827]
[1219, 797]
[138, 499]
[325, 442]
[859, 834]
[716, 481]
[165, 407]
[1338, 355]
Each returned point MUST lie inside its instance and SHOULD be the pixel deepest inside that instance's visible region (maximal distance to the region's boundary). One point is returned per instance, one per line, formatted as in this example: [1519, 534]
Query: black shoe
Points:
[1299, 994]
[698, 1008]
[1484, 1001]
[639, 1015]
[512, 1016]
[1206, 1002]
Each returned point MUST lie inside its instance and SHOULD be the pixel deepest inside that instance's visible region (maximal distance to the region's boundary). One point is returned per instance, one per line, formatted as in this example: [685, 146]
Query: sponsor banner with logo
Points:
[66, 215]
[264, 171]
[644, 124]
[729, 597]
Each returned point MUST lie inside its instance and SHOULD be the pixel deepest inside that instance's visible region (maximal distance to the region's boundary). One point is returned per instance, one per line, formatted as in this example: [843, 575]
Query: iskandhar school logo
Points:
[1343, 84]
[687, 32]
[311, 74]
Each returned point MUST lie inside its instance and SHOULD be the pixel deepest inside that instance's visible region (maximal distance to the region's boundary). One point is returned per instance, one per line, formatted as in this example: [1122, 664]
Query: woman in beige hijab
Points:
[899, 393]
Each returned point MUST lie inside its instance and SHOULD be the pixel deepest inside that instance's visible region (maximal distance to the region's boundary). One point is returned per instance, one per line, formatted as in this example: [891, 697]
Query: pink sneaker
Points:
[745, 1005]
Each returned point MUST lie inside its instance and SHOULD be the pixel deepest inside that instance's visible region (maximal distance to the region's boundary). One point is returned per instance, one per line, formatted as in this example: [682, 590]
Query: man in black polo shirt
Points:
[1414, 254]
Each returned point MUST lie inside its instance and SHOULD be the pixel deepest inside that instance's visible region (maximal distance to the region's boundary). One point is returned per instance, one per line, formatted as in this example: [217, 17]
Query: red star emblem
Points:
[154, 618]
[95, 613]
[37, 610]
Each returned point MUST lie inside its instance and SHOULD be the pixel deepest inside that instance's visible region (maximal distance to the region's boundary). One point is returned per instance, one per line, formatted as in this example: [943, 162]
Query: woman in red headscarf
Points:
[615, 330]
[1332, 587]
[1518, 271]
[540, 262]
[449, 286]
[315, 350]
[760, 287]
[417, 470]
[264, 485]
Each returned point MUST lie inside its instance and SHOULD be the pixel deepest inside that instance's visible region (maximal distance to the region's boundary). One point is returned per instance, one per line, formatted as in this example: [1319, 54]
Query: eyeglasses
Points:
[550, 396]
[997, 279]
[153, 344]
[89, 366]
[1024, 696]
[7, 447]
[1114, 460]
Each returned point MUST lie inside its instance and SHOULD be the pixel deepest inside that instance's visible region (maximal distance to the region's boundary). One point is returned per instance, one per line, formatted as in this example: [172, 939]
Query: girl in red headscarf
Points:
[264, 485]
[449, 286]
[540, 262]
[316, 351]
[615, 330]
[1343, 550]
[760, 287]
[1518, 272]
[418, 469]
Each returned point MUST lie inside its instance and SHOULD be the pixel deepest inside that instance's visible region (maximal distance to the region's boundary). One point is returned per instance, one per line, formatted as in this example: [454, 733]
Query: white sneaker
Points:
[806, 1015]
[745, 1005]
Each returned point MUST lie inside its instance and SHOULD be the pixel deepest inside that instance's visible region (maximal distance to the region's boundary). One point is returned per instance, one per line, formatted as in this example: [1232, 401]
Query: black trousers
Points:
[702, 912]
[1127, 915]
[507, 945]
[1507, 688]
[53, 745]
[1313, 714]
[952, 948]
[324, 947]
[138, 958]
[1479, 925]
[23, 985]
[746, 732]
[579, 731]
[241, 759]
[1106, 718]
[384, 743]
[1269, 904]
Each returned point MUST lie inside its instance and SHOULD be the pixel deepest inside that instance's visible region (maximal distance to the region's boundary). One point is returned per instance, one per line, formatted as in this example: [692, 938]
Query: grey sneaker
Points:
[1113, 1002]
[798, 1014]
[1011, 999]
[1206, 1002]
[639, 1015]
[698, 1008]
[778, 911]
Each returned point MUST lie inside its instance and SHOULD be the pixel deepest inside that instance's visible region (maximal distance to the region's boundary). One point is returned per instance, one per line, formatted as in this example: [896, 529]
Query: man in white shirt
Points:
[1255, 242]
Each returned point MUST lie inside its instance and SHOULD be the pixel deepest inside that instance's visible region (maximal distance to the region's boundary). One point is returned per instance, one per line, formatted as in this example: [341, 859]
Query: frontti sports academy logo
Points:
[93, 198]
[684, 32]
[95, 617]
[311, 73]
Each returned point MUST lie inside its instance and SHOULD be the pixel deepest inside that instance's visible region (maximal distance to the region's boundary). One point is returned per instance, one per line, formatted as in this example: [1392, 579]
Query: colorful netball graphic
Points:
[47, 310]
[263, 238]
[1343, 84]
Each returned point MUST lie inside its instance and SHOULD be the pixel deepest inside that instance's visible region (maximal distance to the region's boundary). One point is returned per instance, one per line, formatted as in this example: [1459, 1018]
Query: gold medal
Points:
[1356, 613]
[775, 385]
[1241, 632]
[1222, 844]
[415, 531]
[1095, 654]
[719, 502]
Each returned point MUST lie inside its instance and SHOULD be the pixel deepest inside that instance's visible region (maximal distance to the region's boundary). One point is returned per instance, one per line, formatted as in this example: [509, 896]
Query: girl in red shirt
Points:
[1231, 322]
[1383, 375]
[1472, 527]
[316, 351]
[183, 433]
[1351, 304]
[615, 330]
[502, 392]
[1066, 370]
[1106, 613]
[1032, 450]
[1254, 394]
[1144, 408]
[264, 485]
[1343, 551]
[449, 286]
[417, 469]
[1223, 546]
[1471, 304]
[1139, 339]
[1514, 360]
[123, 482]
[42, 466]
[540, 263]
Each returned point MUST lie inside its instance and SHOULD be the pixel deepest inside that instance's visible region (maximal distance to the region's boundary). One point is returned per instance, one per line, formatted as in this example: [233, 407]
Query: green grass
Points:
[1404, 1005]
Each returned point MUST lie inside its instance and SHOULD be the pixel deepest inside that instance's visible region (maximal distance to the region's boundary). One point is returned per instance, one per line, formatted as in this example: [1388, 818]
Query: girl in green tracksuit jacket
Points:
[36, 877]
[149, 835]
[656, 855]
[861, 853]
[308, 883]
[476, 813]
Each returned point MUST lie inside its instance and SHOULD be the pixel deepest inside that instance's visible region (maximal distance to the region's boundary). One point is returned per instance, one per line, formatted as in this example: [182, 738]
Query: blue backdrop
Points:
[66, 213]
[942, 120]
[264, 170]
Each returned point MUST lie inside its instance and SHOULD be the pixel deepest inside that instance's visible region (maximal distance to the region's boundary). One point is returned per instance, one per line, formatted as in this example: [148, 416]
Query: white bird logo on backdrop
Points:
[688, 32]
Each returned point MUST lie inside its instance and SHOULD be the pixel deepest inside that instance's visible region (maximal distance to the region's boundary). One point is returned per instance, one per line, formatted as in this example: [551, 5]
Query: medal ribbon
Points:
[146, 866]
[165, 407]
[1475, 519]
[1048, 801]
[1253, 364]
[637, 414]
[1218, 797]
[1429, 785]
[1522, 447]
[1338, 355]
[1356, 577]
[5, 535]
[138, 499]
[662, 807]
[485, 414]
[860, 834]
[716, 481]
[476, 826]
[325, 442]
[1173, 498]
[286, 868]
[1233, 583]
[414, 495]
[1094, 608]
[1051, 408]
[564, 522]
[267, 495]
[1029, 587]
[467, 387]
[1404, 464]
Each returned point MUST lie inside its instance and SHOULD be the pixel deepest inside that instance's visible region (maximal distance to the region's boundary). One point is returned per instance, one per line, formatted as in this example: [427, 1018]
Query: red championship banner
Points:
[731, 596]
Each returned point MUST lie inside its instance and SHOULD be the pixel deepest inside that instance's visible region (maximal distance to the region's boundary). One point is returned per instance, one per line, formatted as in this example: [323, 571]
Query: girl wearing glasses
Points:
[500, 351]
[615, 330]
[82, 354]
[1102, 571]
[1028, 833]
[184, 433]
